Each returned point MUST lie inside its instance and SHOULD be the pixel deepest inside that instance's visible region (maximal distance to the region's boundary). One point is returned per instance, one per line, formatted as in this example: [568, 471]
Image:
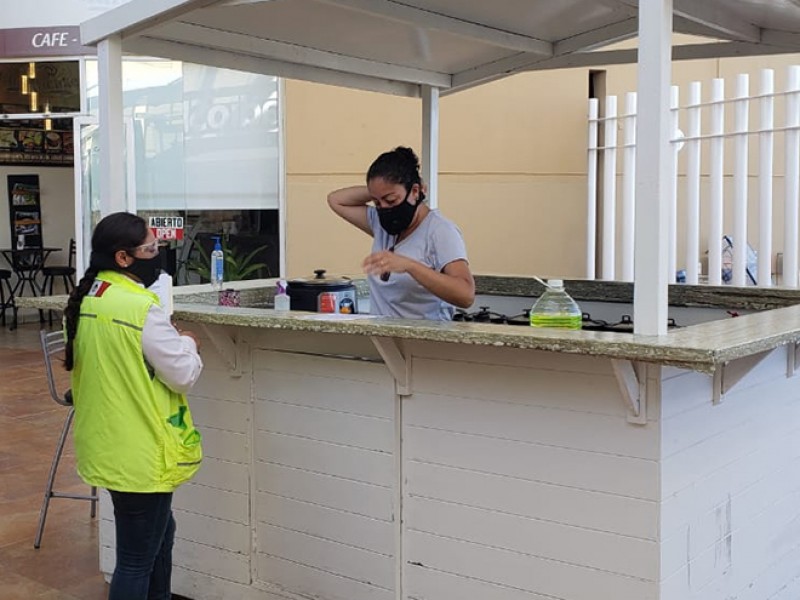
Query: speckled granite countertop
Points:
[699, 347]
[722, 296]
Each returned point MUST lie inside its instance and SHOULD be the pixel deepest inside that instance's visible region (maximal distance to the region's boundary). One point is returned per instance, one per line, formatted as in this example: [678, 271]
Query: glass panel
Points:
[87, 165]
[206, 148]
[206, 138]
[40, 87]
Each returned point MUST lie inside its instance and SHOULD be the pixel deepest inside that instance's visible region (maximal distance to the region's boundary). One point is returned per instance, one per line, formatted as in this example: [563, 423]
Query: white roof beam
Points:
[688, 27]
[191, 34]
[427, 19]
[238, 2]
[718, 19]
[785, 39]
[473, 77]
[146, 46]
[597, 38]
[134, 17]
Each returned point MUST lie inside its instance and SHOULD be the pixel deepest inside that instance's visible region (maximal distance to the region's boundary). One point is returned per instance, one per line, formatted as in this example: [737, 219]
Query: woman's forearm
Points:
[458, 290]
[350, 203]
[357, 195]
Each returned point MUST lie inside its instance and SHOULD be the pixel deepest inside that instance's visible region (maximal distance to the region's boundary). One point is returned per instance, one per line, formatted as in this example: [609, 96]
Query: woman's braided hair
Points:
[117, 231]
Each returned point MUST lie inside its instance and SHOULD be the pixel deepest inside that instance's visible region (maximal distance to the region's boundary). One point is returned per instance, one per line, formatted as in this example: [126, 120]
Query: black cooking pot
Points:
[323, 294]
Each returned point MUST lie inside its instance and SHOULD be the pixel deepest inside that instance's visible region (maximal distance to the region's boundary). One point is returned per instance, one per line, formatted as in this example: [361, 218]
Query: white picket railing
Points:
[616, 243]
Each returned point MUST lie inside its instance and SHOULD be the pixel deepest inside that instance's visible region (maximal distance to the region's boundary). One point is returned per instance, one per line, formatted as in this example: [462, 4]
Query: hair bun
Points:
[408, 154]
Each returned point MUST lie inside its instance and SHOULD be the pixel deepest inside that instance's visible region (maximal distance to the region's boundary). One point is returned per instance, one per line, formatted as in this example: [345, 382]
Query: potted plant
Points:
[238, 266]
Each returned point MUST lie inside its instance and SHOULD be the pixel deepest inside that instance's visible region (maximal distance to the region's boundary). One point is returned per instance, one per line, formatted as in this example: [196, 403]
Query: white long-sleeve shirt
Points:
[174, 357]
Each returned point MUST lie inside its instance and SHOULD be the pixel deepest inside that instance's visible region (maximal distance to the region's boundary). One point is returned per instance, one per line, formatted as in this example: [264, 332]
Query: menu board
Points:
[24, 146]
[25, 213]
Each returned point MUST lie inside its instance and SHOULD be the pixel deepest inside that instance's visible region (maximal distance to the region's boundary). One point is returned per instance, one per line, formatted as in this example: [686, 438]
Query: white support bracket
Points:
[793, 359]
[728, 374]
[398, 364]
[637, 382]
[225, 345]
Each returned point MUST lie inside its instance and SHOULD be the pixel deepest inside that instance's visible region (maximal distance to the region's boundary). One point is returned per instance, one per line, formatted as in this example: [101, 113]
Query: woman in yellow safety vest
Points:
[133, 430]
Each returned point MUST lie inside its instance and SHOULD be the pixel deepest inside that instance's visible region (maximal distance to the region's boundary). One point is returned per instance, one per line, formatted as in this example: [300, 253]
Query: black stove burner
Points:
[484, 315]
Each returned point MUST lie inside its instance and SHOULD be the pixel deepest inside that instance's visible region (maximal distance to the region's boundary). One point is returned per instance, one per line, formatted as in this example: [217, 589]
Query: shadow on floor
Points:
[66, 566]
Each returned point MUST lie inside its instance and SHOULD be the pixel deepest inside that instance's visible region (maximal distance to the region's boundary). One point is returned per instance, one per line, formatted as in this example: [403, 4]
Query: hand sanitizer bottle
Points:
[282, 300]
[217, 266]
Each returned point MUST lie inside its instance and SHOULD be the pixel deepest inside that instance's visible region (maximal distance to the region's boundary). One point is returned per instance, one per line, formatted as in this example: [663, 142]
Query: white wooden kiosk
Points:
[376, 460]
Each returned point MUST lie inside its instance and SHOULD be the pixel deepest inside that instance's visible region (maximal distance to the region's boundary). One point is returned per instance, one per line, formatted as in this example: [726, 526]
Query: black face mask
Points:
[146, 270]
[395, 220]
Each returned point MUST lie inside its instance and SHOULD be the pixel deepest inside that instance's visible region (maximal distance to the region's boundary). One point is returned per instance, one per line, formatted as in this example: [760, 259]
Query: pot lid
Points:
[321, 280]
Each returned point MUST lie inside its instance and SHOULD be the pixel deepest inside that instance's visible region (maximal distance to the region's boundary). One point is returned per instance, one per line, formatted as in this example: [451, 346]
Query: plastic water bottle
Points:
[217, 266]
[555, 308]
[282, 300]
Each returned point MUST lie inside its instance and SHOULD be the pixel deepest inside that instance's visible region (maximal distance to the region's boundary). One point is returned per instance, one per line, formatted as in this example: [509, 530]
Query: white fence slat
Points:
[693, 161]
[792, 176]
[710, 208]
[610, 189]
[672, 235]
[717, 155]
[629, 186]
[591, 193]
[740, 172]
[765, 173]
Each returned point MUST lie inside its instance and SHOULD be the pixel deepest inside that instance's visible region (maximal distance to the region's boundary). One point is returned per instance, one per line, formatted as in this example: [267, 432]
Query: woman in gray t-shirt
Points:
[418, 268]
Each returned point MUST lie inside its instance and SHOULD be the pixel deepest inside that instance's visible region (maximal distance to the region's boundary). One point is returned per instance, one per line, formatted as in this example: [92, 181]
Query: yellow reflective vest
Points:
[132, 433]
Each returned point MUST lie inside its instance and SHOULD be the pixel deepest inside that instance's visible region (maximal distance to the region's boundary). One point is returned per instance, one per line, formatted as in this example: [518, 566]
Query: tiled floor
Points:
[66, 566]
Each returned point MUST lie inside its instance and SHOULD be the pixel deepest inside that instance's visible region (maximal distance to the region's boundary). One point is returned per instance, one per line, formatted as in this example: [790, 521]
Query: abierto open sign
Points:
[167, 228]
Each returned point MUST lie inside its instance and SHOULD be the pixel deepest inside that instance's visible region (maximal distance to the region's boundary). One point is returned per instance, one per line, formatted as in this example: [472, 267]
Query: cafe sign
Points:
[31, 42]
[167, 228]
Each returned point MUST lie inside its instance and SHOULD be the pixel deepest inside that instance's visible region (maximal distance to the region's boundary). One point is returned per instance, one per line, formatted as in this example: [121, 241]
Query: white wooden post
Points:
[610, 190]
[741, 125]
[792, 177]
[674, 103]
[282, 188]
[717, 155]
[765, 150]
[693, 131]
[112, 139]
[652, 167]
[430, 143]
[628, 186]
[591, 190]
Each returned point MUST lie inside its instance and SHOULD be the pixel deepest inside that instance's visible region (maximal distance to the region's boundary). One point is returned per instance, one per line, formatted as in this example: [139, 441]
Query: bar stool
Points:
[7, 298]
[53, 345]
[65, 272]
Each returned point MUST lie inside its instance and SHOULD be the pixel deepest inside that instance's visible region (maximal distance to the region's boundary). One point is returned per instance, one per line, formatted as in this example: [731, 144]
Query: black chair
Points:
[27, 263]
[65, 272]
[53, 345]
[7, 298]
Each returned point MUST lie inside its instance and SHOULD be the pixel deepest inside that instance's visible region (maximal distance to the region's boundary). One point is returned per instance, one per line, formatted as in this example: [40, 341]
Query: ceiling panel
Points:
[409, 42]
[550, 20]
[771, 14]
[349, 32]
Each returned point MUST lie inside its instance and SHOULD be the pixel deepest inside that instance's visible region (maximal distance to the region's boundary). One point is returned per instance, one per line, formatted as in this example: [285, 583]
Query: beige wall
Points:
[512, 164]
[511, 155]
[57, 189]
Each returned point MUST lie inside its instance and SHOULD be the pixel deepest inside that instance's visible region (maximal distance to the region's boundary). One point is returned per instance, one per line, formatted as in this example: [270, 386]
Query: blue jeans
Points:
[145, 533]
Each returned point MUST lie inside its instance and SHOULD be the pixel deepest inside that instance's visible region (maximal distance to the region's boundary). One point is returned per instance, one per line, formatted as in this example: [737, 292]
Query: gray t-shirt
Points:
[435, 243]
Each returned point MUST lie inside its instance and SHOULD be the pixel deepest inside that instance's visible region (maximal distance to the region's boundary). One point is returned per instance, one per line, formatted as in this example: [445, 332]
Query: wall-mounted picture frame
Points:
[33, 146]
